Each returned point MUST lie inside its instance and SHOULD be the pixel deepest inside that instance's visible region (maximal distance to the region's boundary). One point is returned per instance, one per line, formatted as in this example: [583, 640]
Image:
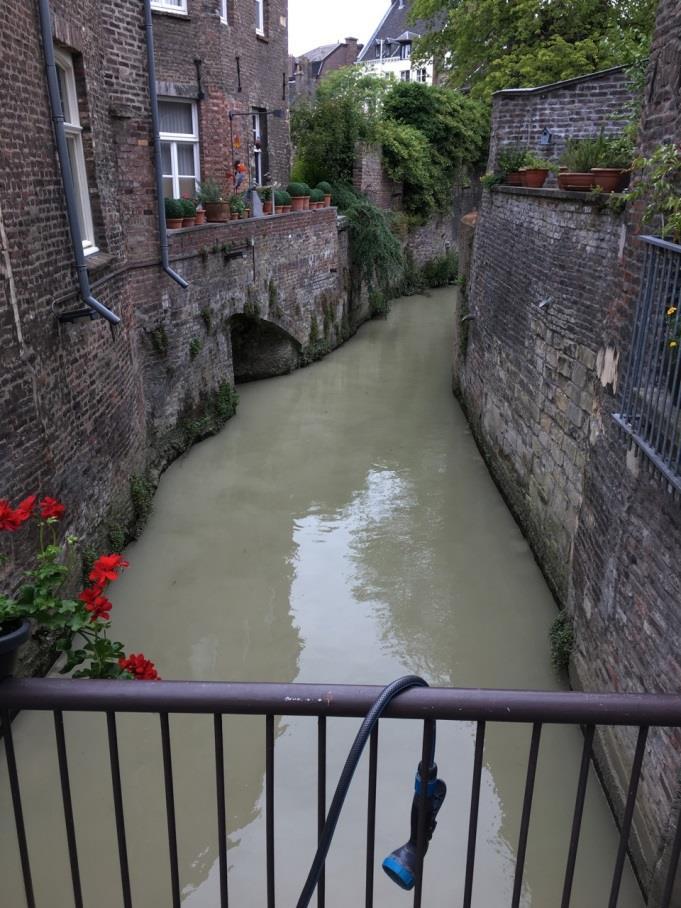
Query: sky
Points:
[315, 22]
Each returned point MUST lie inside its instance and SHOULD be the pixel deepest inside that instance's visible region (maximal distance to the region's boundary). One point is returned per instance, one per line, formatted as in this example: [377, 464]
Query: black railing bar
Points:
[170, 809]
[658, 241]
[577, 817]
[641, 320]
[672, 430]
[673, 867]
[659, 351]
[659, 439]
[555, 707]
[651, 355]
[18, 809]
[118, 809]
[673, 478]
[628, 816]
[527, 813]
[269, 809]
[321, 802]
[643, 341]
[427, 750]
[371, 818]
[68, 808]
[222, 809]
[475, 809]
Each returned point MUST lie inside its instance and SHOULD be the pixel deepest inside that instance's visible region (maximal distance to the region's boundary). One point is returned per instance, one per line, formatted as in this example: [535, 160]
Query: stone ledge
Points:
[597, 199]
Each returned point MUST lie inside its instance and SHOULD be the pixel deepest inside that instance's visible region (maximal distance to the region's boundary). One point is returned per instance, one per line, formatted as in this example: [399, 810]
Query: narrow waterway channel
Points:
[342, 528]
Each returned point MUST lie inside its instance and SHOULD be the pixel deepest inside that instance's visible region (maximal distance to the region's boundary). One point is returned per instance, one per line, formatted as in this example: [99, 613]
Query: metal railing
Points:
[651, 399]
[640, 711]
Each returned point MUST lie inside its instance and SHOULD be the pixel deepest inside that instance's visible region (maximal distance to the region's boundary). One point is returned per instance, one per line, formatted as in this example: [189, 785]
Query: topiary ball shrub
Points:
[317, 195]
[296, 190]
[326, 188]
[174, 209]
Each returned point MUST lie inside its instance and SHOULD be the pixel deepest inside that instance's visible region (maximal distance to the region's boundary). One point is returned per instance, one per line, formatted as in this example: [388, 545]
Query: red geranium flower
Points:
[12, 518]
[141, 668]
[95, 603]
[50, 507]
[106, 568]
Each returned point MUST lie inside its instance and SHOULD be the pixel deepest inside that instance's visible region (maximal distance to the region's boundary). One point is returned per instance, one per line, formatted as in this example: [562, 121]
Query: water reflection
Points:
[342, 529]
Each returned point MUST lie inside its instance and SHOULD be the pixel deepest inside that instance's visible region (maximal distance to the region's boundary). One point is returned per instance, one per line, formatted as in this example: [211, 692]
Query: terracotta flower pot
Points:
[267, 207]
[217, 212]
[188, 222]
[174, 223]
[10, 643]
[245, 214]
[288, 209]
[279, 209]
[327, 201]
[513, 179]
[576, 182]
[533, 177]
[306, 203]
[200, 218]
[298, 202]
[610, 179]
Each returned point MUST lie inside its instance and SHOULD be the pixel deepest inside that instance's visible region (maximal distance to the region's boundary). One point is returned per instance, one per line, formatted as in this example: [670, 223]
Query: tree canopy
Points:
[486, 45]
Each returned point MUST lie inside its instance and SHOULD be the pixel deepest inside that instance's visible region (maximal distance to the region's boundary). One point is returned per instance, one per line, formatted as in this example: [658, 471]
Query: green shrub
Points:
[282, 197]
[265, 194]
[141, 496]
[237, 204]
[326, 188]
[442, 271]
[408, 160]
[296, 190]
[188, 208]
[561, 640]
[317, 195]
[194, 347]
[174, 209]
[209, 191]
[375, 251]
[511, 158]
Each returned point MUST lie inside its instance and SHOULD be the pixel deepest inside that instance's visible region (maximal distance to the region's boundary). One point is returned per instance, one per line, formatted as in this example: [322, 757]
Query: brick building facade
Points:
[307, 70]
[552, 292]
[214, 57]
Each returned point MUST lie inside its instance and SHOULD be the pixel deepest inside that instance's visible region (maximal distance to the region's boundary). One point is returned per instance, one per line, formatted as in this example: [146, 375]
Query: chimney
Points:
[351, 40]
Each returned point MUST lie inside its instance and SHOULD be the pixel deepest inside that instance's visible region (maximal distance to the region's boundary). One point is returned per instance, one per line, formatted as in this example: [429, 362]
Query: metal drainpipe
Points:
[151, 67]
[65, 164]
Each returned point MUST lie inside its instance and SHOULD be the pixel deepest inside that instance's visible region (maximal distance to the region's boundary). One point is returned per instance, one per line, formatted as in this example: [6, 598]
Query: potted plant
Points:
[327, 189]
[237, 206]
[174, 213]
[511, 159]
[534, 172]
[307, 192]
[266, 197]
[41, 601]
[299, 193]
[317, 199]
[282, 200]
[188, 212]
[200, 212]
[579, 157]
[210, 196]
[614, 169]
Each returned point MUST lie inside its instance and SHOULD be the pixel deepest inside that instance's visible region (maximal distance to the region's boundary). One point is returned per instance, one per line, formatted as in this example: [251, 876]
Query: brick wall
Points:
[368, 177]
[574, 108]
[240, 71]
[541, 386]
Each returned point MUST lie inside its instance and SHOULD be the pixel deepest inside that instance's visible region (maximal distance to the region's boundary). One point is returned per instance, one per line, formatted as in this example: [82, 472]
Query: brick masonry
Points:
[541, 385]
[572, 109]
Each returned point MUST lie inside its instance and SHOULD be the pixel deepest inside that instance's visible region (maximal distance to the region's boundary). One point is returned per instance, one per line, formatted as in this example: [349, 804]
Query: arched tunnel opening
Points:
[261, 349]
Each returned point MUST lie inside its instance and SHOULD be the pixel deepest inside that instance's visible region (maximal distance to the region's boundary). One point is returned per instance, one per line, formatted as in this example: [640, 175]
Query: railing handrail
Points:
[342, 700]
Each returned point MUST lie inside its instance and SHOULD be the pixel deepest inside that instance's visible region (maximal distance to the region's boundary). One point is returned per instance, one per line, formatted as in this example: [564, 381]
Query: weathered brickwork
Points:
[572, 109]
[240, 71]
[369, 178]
[541, 385]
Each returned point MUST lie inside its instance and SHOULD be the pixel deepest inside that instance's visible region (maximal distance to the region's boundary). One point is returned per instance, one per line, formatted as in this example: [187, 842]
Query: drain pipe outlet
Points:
[65, 164]
[153, 97]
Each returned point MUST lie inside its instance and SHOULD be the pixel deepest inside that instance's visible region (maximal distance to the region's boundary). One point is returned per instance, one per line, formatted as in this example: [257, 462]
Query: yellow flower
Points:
[672, 310]
[673, 344]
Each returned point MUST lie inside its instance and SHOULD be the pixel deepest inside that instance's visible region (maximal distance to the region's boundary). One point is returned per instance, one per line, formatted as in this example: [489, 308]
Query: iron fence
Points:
[651, 397]
[590, 711]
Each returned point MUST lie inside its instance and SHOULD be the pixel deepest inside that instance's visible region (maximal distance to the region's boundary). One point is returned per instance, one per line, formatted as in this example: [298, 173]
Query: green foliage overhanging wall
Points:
[487, 45]
[430, 136]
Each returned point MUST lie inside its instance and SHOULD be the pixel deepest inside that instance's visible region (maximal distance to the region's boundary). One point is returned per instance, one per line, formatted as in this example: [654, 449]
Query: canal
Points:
[342, 528]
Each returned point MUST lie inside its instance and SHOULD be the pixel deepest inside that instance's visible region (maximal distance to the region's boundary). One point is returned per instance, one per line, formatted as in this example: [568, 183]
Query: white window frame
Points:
[175, 138]
[257, 152]
[260, 17]
[405, 51]
[224, 12]
[422, 75]
[168, 6]
[74, 139]
[405, 75]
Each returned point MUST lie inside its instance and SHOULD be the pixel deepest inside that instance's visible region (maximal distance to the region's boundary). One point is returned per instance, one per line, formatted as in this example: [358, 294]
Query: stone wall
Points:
[369, 178]
[541, 384]
[572, 109]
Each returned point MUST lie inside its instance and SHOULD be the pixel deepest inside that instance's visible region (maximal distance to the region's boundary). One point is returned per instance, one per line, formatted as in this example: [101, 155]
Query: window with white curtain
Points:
[224, 12]
[179, 128]
[422, 75]
[260, 17]
[174, 6]
[74, 143]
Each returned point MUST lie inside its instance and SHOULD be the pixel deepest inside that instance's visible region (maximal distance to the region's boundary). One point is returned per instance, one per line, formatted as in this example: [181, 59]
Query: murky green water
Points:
[343, 528]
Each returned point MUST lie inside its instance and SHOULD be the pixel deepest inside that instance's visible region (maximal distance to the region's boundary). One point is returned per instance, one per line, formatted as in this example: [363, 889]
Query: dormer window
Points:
[405, 50]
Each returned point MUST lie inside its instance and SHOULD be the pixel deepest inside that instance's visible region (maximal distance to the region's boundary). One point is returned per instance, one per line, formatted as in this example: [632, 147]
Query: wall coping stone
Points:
[565, 83]
[595, 199]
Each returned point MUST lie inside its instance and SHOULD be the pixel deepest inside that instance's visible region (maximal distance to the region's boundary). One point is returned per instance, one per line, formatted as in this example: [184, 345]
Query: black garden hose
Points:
[385, 698]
